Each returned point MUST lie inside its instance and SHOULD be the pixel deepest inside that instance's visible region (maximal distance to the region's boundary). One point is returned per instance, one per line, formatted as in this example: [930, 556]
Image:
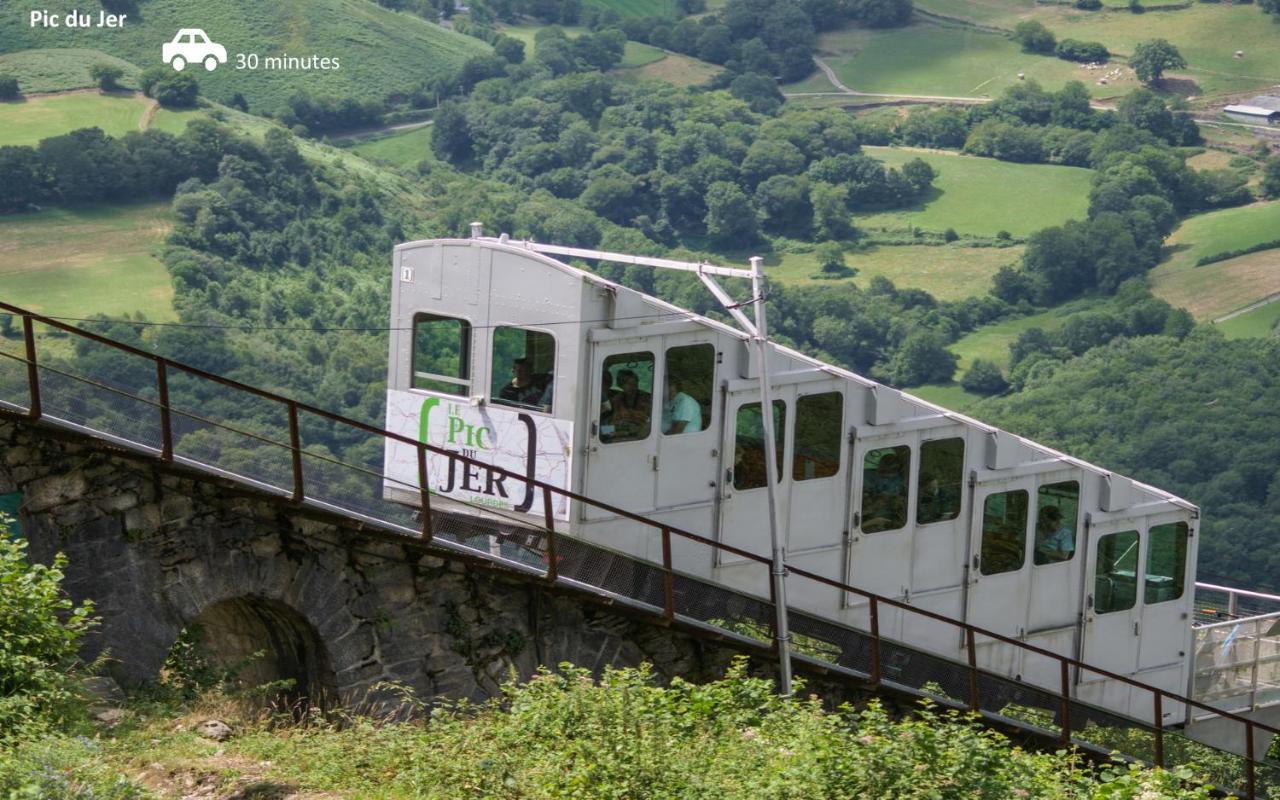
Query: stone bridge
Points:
[336, 607]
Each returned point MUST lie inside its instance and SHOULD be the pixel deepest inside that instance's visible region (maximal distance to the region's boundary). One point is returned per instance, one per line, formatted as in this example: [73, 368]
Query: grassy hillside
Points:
[402, 149]
[947, 273]
[28, 121]
[380, 51]
[87, 261]
[59, 69]
[1207, 34]
[1253, 324]
[1215, 289]
[638, 8]
[984, 196]
[930, 59]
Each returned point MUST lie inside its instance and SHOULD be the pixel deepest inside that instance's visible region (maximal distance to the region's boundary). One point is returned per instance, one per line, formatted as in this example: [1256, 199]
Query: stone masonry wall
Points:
[156, 546]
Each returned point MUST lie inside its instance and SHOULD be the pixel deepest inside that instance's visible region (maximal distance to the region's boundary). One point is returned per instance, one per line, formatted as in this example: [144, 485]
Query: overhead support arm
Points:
[733, 308]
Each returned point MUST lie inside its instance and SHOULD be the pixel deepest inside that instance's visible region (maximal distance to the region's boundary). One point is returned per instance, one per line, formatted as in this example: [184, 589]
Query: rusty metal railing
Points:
[306, 473]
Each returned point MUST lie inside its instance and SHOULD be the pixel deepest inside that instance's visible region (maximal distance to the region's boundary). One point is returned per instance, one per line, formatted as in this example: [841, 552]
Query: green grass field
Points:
[638, 8]
[1255, 324]
[947, 273]
[983, 196]
[948, 395]
[929, 59]
[638, 55]
[380, 51]
[60, 69]
[87, 261]
[26, 122]
[402, 149]
[674, 68]
[1216, 289]
[992, 342]
[1207, 35]
[175, 122]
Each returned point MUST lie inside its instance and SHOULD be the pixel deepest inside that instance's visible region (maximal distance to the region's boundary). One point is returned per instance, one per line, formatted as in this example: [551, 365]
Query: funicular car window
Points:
[687, 388]
[1004, 532]
[626, 398]
[1057, 509]
[941, 481]
[884, 488]
[1115, 583]
[1166, 562]
[524, 368]
[441, 354]
[748, 448]
[816, 452]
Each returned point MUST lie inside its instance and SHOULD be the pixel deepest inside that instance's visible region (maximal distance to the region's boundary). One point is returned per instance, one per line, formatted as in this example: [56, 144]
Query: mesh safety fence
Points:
[340, 465]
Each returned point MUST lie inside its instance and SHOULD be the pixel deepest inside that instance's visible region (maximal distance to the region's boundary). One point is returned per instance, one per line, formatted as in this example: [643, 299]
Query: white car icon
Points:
[193, 45]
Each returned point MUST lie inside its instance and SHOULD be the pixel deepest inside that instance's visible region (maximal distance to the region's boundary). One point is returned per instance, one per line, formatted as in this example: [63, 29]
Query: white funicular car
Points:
[192, 45]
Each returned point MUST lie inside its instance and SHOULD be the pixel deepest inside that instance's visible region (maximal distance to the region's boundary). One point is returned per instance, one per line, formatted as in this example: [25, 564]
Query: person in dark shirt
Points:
[523, 390]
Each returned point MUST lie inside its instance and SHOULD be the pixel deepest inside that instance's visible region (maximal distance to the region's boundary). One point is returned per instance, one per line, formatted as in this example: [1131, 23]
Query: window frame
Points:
[1181, 583]
[780, 444]
[960, 493]
[906, 487]
[982, 533]
[491, 396]
[1075, 524]
[465, 351]
[666, 374]
[598, 423]
[839, 435]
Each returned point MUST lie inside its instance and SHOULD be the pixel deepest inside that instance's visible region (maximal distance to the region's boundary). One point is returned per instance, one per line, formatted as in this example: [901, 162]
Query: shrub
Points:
[950, 235]
[1033, 36]
[984, 377]
[9, 87]
[175, 90]
[42, 628]
[1088, 5]
[106, 76]
[1084, 52]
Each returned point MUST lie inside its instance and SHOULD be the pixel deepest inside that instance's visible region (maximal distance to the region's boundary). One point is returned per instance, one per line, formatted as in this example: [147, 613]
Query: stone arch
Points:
[235, 629]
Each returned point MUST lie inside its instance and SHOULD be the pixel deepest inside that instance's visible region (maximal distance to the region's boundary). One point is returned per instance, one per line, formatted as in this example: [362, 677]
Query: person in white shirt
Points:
[680, 413]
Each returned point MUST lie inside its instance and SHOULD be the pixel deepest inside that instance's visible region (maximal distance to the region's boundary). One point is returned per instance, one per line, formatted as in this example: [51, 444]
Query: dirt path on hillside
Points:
[148, 114]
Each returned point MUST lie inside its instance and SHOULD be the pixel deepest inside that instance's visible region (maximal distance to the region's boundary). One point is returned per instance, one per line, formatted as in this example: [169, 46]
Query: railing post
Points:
[974, 701]
[553, 568]
[1248, 753]
[1159, 712]
[33, 374]
[875, 641]
[425, 491]
[668, 579]
[295, 447]
[166, 423]
[1066, 701]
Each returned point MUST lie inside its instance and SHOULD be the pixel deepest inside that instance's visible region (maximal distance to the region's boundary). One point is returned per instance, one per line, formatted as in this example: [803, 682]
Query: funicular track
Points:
[166, 410]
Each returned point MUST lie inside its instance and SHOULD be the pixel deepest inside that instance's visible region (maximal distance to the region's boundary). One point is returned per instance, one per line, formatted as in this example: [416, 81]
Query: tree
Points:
[758, 91]
[831, 215]
[450, 134]
[1034, 37]
[509, 49]
[176, 90]
[730, 216]
[984, 377]
[922, 358]
[1151, 58]
[919, 175]
[831, 259]
[107, 76]
[1270, 6]
[9, 87]
[1271, 178]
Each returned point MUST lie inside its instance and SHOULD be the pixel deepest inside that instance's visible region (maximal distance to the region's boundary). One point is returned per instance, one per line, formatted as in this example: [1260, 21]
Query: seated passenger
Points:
[548, 392]
[607, 393]
[631, 408]
[681, 413]
[523, 390]
[1055, 540]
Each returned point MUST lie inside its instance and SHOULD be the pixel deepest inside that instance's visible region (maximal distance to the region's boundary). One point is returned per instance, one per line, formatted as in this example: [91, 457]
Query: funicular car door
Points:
[1057, 571]
[1000, 566]
[879, 552]
[622, 445]
[687, 430]
[744, 497]
[1164, 630]
[1112, 589]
